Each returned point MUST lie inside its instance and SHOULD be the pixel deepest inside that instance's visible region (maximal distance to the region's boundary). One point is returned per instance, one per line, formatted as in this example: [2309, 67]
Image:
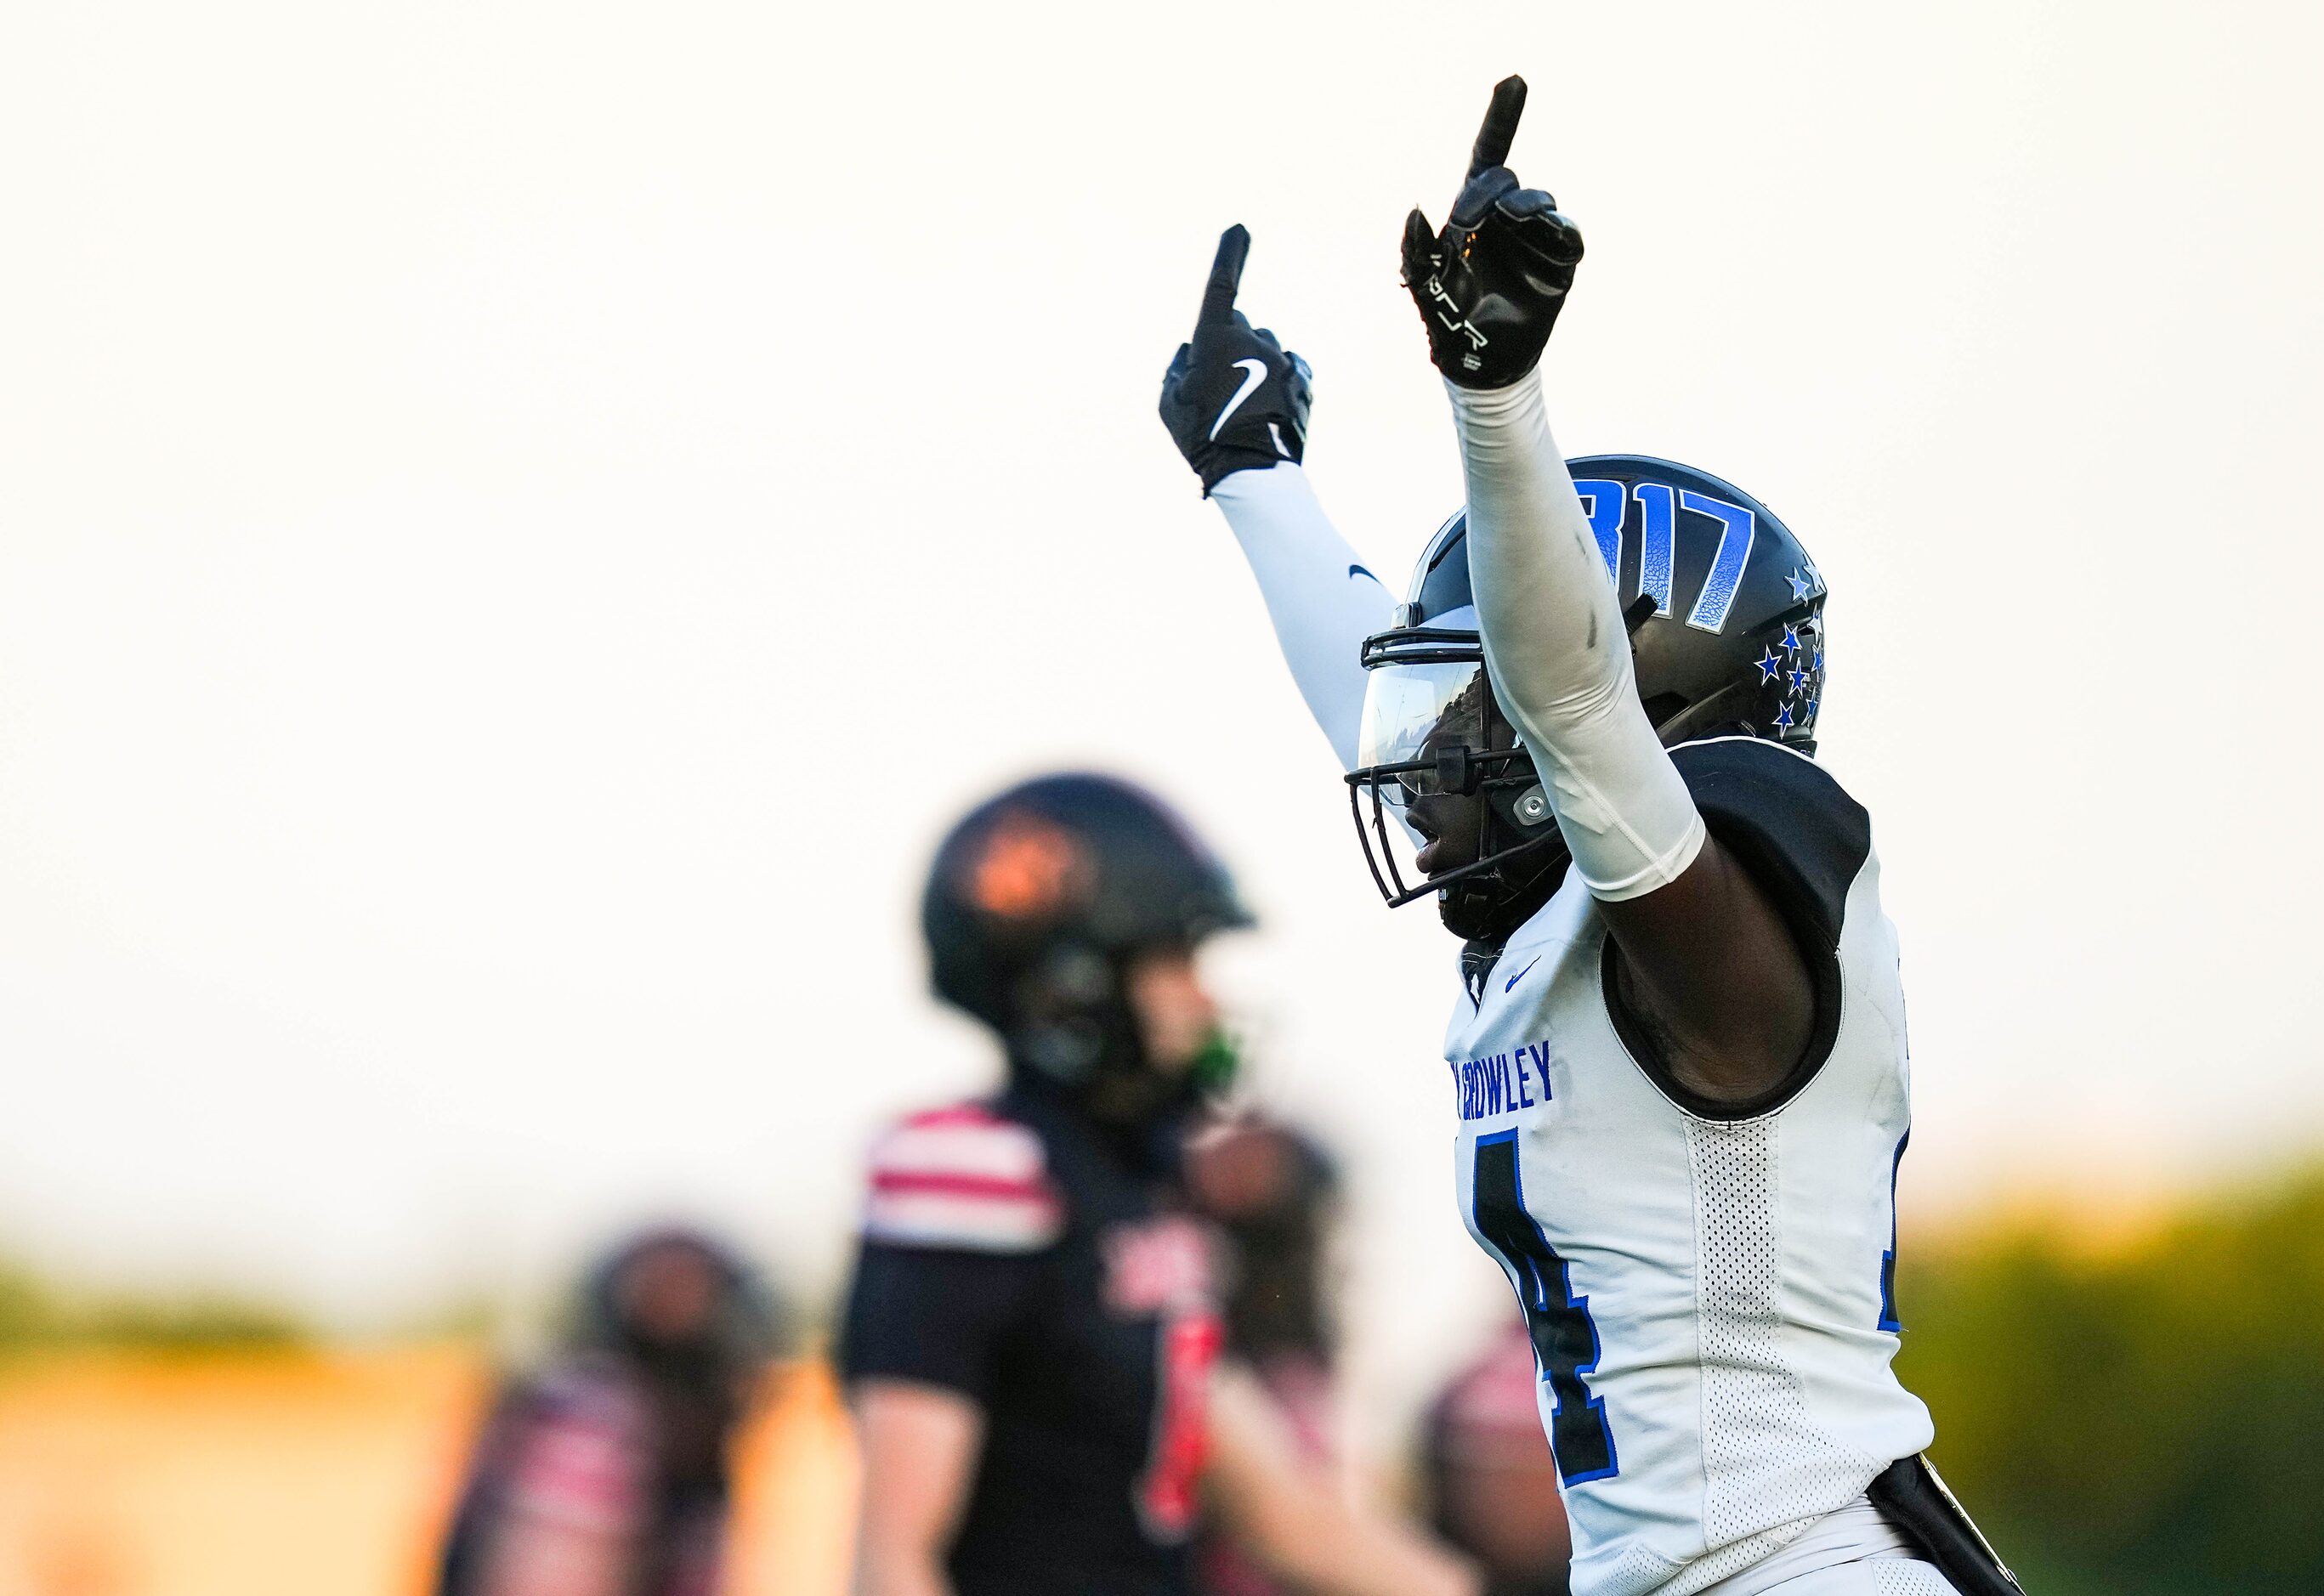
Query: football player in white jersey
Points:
[1678, 1058]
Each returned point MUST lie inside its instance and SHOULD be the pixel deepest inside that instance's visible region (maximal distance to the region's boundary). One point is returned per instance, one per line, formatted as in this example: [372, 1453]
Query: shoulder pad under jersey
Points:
[962, 1177]
[1794, 827]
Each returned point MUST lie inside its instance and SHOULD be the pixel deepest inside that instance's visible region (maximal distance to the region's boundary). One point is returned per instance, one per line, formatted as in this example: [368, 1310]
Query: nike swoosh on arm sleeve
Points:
[1559, 656]
[1321, 596]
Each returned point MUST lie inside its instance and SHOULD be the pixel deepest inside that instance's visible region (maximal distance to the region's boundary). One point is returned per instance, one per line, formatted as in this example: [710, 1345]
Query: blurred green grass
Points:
[36, 1315]
[2144, 1417]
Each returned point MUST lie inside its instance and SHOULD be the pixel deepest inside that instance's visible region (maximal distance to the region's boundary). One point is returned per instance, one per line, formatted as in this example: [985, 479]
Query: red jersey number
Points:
[1170, 1490]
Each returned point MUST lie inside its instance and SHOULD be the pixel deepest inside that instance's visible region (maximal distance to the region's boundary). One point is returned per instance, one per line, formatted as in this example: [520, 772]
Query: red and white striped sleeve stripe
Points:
[961, 1177]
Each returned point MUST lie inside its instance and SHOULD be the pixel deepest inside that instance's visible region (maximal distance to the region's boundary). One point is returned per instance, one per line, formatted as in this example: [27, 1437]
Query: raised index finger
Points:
[1500, 128]
[1226, 276]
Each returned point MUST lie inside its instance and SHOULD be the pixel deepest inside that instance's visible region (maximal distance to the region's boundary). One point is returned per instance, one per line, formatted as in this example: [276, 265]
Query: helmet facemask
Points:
[1440, 764]
[1075, 1023]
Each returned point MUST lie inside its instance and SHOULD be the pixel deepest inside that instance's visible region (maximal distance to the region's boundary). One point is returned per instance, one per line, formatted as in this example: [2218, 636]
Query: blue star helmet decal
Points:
[1801, 586]
[1769, 667]
[1818, 660]
[1783, 718]
[1799, 679]
[1791, 640]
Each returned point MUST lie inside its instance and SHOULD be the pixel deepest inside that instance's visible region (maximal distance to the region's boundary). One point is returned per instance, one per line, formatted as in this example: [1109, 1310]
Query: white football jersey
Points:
[1708, 1288]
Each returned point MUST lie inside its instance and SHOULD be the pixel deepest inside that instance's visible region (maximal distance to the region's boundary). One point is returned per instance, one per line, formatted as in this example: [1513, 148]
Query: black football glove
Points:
[1233, 398]
[1490, 285]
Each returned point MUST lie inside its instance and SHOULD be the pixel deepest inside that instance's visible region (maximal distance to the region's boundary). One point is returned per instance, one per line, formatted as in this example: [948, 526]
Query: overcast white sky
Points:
[519, 524]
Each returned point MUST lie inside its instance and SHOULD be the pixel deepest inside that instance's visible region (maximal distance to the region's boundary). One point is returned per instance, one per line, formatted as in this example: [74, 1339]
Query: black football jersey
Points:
[1014, 1254]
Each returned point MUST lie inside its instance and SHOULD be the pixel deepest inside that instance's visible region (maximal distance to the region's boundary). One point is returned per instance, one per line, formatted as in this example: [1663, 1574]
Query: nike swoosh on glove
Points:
[1491, 284]
[1234, 399]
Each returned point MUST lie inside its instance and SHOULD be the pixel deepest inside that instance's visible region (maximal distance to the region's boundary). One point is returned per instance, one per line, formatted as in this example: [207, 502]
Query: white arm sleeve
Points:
[1322, 599]
[1559, 659]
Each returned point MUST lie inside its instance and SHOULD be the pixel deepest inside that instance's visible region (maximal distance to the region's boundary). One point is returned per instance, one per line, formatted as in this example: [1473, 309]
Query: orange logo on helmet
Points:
[1027, 868]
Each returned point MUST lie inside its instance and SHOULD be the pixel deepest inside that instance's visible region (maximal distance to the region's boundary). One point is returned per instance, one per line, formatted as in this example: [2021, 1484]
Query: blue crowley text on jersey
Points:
[1502, 1083]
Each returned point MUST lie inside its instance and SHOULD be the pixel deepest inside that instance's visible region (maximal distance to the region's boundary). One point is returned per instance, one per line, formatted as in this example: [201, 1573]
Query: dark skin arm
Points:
[1709, 968]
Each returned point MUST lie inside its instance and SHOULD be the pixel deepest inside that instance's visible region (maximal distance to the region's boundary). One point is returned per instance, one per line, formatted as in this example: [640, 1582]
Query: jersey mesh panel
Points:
[1900, 1576]
[1768, 1467]
[1642, 1573]
[1638, 1572]
[1770, 1471]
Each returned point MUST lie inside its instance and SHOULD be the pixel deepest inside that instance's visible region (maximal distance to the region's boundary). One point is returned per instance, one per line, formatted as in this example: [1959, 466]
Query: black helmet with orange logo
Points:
[1038, 900]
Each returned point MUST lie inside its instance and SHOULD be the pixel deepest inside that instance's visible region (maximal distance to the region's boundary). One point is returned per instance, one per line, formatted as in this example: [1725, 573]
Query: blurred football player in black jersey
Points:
[1032, 1341]
[606, 1472]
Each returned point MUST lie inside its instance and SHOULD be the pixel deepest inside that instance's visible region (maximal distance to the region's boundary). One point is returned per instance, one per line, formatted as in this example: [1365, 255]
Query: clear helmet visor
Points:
[1423, 722]
[1414, 712]
[1430, 728]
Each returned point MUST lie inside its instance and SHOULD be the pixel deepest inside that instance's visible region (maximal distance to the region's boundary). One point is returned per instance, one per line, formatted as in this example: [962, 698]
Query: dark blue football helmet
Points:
[1725, 611]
